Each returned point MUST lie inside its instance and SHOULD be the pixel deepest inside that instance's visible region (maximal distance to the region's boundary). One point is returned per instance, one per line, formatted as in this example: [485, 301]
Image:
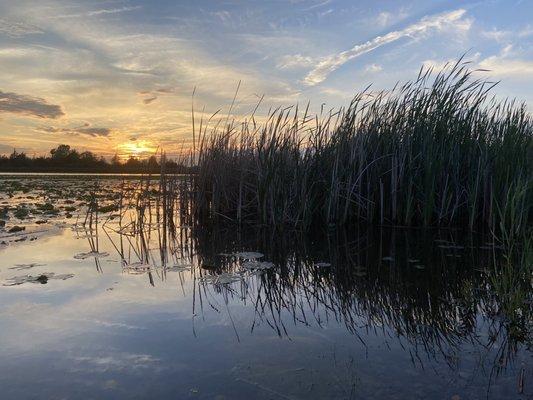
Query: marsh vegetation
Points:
[437, 151]
[301, 257]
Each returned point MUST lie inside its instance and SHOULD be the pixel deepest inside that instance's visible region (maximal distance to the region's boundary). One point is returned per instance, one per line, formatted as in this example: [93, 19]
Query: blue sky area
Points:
[114, 76]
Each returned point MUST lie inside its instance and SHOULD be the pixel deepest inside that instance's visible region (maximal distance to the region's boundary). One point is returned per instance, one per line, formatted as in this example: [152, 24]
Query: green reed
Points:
[437, 151]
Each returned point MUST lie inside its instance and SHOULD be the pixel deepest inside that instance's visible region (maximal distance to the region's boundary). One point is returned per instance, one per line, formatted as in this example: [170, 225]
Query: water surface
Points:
[113, 305]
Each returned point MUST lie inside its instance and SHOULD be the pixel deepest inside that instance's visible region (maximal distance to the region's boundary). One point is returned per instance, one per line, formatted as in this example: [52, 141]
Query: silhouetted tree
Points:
[65, 159]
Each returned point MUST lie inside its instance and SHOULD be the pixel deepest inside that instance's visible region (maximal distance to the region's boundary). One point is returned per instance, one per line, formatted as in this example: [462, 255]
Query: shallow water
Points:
[139, 313]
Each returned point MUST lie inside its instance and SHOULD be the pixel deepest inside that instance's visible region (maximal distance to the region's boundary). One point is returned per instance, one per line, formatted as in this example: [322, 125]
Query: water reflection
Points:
[382, 313]
[428, 290]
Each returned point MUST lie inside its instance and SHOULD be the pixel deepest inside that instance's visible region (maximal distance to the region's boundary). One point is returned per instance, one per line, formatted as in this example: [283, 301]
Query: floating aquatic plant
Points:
[43, 278]
[95, 254]
[259, 265]
[249, 255]
[20, 267]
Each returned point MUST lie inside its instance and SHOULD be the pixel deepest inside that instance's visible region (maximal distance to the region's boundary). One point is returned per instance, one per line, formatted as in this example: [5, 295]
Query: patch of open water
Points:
[239, 314]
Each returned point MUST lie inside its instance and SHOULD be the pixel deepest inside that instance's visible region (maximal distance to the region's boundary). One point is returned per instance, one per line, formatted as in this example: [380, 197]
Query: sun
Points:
[137, 148]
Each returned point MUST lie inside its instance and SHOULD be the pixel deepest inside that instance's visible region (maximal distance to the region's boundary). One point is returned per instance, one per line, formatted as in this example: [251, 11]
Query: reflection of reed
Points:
[371, 285]
[432, 296]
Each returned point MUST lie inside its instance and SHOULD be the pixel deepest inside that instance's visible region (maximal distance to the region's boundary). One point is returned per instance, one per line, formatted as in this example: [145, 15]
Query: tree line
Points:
[65, 159]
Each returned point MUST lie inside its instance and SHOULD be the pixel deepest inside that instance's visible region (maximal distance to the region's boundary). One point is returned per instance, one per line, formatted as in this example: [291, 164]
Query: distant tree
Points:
[61, 152]
[88, 157]
[115, 160]
[133, 165]
[153, 165]
[65, 159]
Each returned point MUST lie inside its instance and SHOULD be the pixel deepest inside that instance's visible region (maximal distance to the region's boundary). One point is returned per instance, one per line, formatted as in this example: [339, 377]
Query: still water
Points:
[112, 306]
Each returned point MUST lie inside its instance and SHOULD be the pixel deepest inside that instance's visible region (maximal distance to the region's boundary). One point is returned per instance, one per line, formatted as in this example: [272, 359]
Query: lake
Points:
[100, 299]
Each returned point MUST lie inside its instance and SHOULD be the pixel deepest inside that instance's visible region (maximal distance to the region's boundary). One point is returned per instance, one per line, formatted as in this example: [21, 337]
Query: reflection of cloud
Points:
[119, 361]
[27, 105]
[335, 61]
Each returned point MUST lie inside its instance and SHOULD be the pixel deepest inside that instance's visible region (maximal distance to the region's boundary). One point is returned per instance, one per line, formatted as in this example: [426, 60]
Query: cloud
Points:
[438, 22]
[99, 12]
[5, 149]
[440, 65]
[165, 90]
[295, 61]
[27, 105]
[318, 5]
[386, 18]
[372, 68]
[113, 10]
[150, 100]
[507, 63]
[18, 29]
[497, 35]
[501, 66]
[85, 129]
[526, 32]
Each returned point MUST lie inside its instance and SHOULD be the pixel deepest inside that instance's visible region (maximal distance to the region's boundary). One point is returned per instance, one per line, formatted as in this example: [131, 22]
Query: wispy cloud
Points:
[497, 35]
[387, 18]
[526, 32]
[504, 65]
[150, 100]
[113, 10]
[85, 129]
[318, 5]
[295, 61]
[18, 29]
[27, 105]
[373, 68]
[331, 63]
[104, 11]
[5, 149]
[441, 65]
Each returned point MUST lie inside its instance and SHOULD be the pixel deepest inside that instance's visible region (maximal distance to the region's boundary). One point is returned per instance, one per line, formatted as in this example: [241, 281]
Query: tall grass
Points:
[437, 151]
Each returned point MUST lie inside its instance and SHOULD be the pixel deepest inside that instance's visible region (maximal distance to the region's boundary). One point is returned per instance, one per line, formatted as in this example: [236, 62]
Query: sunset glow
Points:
[96, 75]
[138, 148]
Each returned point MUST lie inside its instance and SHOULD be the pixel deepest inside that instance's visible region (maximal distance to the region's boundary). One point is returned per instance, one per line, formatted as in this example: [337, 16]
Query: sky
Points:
[118, 76]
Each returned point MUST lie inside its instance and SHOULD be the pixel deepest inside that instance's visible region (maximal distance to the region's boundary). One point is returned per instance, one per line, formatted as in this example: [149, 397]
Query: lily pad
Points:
[42, 279]
[95, 254]
[180, 267]
[226, 278]
[260, 265]
[322, 264]
[137, 268]
[249, 255]
[20, 267]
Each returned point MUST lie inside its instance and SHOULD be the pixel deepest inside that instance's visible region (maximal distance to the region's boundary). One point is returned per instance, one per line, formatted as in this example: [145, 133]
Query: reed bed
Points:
[436, 151]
